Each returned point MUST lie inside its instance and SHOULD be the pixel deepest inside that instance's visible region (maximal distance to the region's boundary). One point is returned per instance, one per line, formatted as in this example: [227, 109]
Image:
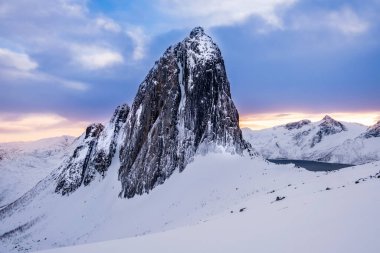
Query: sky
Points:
[66, 63]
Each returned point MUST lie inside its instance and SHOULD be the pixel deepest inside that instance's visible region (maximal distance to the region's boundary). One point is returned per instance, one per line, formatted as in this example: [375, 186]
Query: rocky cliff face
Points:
[183, 107]
[94, 154]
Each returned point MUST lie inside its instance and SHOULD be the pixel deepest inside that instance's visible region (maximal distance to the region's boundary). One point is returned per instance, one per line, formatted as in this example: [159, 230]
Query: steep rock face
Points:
[94, 154]
[297, 125]
[373, 131]
[329, 126]
[183, 107]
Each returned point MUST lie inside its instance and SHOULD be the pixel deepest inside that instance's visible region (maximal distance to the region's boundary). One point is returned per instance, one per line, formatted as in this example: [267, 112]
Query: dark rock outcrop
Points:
[373, 131]
[297, 125]
[93, 155]
[328, 126]
[183, 107]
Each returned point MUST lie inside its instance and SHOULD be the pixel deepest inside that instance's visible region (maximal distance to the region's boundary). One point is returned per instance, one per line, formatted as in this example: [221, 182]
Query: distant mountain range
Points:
[327, 140]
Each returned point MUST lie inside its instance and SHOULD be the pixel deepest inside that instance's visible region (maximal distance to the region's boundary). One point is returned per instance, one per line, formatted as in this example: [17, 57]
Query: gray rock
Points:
[93, 155]
[183, 107]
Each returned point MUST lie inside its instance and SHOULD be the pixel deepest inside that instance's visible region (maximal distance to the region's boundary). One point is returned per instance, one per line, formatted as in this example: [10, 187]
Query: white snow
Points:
[191, 211]
[206, 49]
[180, 124]
[138, 113]
[23, 164]
[344, 147]
[342, 220]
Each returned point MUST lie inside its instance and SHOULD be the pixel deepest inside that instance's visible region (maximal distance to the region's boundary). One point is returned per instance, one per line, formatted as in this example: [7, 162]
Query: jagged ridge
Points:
[94, 155]
[183, 107]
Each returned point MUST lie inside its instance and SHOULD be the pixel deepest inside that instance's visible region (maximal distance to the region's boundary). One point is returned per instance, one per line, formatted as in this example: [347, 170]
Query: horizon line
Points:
[43, 126]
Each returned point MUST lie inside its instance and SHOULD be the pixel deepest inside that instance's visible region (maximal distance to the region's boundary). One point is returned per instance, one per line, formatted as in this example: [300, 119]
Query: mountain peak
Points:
[197, 31]
[182, 108]
[329, 126]
[328, 118]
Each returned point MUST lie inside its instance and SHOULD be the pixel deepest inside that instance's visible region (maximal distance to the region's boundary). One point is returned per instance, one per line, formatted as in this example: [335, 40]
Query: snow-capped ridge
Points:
[327, 140]
[297, 124]
[94, 153]
[373, 131]
[328, 126]
[182, 108]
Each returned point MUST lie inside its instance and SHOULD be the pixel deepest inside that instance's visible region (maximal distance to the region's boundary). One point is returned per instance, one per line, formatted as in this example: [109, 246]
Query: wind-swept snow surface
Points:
[328, 221]
[220, 203]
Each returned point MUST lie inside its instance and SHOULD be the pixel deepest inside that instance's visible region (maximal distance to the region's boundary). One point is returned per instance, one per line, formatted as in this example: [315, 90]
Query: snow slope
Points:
[192, 210]
[23, 164]
[313, 141]
[310, 219]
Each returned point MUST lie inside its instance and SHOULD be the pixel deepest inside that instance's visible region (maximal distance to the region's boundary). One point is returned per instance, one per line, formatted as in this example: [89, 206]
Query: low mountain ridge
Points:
[327, 140]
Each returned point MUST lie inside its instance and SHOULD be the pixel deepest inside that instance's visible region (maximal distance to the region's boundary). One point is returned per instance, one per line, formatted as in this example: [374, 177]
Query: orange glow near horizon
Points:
[32, 127]
[267, 120]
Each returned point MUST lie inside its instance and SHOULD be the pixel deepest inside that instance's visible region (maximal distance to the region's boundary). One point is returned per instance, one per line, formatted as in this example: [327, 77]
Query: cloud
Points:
[19, 61]
[343, 20]
[33, 126]
[139, 39]
[347, 21]
[213, 13]
[95, 57]
[17, 77]
[108, 24]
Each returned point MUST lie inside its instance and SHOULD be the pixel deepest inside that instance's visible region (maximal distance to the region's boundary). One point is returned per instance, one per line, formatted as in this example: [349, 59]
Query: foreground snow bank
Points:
[224, 203]
[342, 220]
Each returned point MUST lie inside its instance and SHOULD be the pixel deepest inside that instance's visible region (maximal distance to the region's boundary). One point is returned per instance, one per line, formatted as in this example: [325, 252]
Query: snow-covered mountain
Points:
[183, 108]
[175, 162]
[23, 164]
[326, 140]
